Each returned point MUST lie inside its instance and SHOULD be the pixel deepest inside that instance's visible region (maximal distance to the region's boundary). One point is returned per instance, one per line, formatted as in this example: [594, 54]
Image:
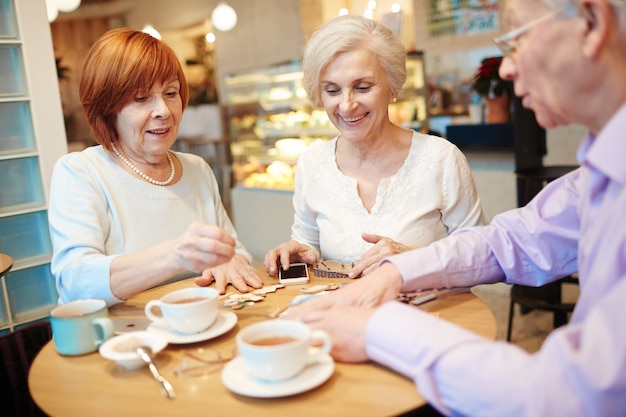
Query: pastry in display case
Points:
[271, 121]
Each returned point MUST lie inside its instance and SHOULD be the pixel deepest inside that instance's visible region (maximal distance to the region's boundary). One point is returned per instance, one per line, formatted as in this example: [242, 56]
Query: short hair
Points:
[619, 7]
[119, 65]
[348, 33]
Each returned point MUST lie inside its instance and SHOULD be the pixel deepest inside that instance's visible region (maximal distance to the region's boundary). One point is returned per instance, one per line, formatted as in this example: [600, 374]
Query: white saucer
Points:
[225, 321]
[236, 378]
[121, 348]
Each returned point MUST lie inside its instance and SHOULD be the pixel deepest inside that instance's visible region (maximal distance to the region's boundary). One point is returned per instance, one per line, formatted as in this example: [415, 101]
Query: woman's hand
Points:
[287, 253]
[383, 247]
[200, 247]
[203, 246]
[237, 272]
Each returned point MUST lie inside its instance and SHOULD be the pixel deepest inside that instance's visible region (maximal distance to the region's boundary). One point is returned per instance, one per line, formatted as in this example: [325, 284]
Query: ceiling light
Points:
[52, 9]
[67, 5]
[150, 30]
[224, 17]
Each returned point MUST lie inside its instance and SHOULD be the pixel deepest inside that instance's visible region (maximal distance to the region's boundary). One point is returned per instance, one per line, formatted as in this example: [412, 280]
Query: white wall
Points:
[562, 143]
[495, 181]
[167, 15]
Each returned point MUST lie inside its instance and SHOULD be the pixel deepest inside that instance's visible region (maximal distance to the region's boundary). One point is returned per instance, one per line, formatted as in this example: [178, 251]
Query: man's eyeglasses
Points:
[507, 42]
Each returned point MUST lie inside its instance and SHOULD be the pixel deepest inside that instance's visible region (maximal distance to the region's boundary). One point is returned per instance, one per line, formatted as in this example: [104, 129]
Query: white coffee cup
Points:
[276, 350]
[187, 311]
[80, 326]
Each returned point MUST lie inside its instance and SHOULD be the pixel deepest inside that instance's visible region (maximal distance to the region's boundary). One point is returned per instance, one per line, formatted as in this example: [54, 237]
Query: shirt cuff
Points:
[391, 341]
[409, 340]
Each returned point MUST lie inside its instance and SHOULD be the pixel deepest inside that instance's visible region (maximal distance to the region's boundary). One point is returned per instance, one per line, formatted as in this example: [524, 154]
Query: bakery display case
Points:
[270, 123]
[271, 120]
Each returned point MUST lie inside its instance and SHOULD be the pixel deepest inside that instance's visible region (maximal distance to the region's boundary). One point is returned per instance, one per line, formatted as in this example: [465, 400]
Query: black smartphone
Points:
[298, 273]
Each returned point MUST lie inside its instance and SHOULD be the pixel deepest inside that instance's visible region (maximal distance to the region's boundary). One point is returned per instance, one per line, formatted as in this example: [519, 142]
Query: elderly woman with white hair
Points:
[377, 188]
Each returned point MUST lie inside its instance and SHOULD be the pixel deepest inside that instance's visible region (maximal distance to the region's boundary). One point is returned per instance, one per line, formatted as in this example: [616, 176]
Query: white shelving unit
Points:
[32, 138]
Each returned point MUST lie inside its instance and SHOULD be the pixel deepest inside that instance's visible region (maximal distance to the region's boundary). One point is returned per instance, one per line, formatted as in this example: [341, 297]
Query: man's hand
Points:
[346, 327]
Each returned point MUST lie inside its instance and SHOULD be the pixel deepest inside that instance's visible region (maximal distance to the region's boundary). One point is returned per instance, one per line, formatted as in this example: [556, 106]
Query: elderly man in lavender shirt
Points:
[568, 61]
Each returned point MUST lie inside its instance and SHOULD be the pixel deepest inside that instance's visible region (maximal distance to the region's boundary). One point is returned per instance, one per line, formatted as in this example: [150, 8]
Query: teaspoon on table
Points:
[145, 353]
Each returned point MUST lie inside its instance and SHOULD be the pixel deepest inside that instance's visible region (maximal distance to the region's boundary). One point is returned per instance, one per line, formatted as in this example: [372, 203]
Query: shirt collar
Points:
[606, 151]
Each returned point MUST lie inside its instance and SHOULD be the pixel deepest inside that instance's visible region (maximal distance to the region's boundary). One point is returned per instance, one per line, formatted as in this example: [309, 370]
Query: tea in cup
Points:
[277, 350]
[187, 311]
[80, 326]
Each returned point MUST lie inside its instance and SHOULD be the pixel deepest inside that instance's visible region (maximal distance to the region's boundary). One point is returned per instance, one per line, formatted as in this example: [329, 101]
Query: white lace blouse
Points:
[431, 195]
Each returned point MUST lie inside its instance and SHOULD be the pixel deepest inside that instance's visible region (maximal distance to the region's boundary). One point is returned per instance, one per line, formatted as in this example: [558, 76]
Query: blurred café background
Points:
[248, 115]
[246, 85]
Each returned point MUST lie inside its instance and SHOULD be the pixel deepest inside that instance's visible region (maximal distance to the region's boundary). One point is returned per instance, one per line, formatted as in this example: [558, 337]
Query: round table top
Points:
[63, 385]
[6, 263]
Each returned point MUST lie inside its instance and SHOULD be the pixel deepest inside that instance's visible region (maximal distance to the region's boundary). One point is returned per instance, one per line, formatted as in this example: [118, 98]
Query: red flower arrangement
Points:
[487, 82]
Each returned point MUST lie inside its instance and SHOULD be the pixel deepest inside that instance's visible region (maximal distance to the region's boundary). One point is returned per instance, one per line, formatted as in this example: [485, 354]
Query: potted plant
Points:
[495, 91]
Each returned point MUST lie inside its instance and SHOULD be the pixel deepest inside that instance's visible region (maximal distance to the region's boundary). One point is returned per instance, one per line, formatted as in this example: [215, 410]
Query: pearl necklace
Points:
[144, 176]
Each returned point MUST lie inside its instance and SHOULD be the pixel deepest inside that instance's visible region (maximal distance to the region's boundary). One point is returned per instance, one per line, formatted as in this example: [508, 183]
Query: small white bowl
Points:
[119, 348]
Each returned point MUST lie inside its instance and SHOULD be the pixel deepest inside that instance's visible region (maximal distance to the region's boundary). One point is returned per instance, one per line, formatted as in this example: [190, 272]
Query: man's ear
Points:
[599, 18]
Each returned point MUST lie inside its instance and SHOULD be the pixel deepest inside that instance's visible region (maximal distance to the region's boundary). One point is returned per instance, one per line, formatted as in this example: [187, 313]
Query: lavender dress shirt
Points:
[576, 223]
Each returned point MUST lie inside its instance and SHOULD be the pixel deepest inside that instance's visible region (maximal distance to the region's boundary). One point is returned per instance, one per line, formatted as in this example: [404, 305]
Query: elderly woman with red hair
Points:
[131, 214]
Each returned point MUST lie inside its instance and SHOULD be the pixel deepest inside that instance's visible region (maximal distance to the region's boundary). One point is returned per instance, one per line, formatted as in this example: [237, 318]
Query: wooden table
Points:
[6, 263]
[90, 385]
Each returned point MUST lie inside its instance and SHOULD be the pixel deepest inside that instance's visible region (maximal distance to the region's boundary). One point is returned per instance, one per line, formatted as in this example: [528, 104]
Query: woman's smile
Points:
[353, 119]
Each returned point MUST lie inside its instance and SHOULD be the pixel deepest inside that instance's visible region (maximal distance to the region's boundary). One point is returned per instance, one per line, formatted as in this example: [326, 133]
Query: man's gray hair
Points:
[619, 6]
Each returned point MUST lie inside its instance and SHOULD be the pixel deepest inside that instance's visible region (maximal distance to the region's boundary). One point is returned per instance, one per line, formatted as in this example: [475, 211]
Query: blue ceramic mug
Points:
[80, 326]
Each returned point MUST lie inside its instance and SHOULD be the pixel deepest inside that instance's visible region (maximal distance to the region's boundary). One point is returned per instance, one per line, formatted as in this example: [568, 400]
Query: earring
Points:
[395, 99]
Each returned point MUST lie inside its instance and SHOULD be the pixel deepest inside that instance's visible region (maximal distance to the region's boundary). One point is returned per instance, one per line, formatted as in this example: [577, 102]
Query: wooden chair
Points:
[17, 350]
[6, 263]
[548, 297]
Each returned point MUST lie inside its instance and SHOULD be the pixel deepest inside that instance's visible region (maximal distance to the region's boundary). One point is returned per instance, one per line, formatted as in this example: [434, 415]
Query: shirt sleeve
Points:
[504, 250]
[579, 370]
[462, 206]
[77, 213]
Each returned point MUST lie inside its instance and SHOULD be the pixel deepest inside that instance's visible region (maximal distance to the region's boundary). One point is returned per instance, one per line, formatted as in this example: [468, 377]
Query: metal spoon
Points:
[145, 353]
